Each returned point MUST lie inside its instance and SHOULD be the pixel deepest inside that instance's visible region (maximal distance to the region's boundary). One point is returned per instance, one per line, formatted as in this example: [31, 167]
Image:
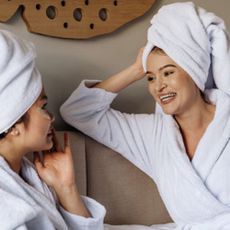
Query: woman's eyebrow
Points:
[43, 97]
[161, 68]
[165, 66]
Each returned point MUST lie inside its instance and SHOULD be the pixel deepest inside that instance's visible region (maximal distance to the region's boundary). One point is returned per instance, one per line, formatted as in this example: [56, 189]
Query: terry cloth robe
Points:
[28, 203]
[196, 193]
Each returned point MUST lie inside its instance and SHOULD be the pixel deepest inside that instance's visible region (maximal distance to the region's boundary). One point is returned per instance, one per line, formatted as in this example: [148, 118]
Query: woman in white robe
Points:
[185, 147]
[45, 195]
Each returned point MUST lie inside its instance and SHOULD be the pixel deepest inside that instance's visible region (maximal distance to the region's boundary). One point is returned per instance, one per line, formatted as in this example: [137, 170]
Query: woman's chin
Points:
[168, 111]
[48, 146]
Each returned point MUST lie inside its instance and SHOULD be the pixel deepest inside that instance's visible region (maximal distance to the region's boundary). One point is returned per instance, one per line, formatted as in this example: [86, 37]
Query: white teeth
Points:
[167, 96]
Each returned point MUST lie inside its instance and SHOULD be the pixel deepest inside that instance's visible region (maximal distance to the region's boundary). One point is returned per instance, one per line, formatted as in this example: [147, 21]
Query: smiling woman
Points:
[171, 87]
[185, 147]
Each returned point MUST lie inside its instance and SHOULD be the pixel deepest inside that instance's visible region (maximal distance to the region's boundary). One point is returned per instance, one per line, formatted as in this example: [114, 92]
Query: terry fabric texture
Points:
[28, 203]
[196, 40]
[20, 81]
[192, 191]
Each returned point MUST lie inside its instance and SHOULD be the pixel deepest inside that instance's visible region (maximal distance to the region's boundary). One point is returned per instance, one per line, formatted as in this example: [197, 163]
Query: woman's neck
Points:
[12, 156]
[197, 117]
[193, 125]
[15, 164]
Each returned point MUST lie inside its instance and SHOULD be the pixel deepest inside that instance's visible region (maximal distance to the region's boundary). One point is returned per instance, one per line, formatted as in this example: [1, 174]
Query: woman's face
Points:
[172, 88]
[37, 132]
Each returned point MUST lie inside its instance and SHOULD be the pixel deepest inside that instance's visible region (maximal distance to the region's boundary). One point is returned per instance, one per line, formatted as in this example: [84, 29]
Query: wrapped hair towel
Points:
[20, 81]
[196, 40]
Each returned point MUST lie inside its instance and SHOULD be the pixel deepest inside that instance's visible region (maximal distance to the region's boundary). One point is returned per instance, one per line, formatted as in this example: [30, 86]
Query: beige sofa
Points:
[129, 195]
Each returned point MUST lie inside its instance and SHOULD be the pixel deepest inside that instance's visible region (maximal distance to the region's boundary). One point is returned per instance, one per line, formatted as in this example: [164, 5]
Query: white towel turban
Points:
[196, 40]
[20, 81]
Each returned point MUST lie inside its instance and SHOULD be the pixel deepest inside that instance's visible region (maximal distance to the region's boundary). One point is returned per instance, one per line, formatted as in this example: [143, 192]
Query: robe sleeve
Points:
[75, 222]
[88, 109]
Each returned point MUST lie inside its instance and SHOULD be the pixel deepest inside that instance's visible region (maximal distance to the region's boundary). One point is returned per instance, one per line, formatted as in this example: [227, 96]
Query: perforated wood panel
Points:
[75, 18]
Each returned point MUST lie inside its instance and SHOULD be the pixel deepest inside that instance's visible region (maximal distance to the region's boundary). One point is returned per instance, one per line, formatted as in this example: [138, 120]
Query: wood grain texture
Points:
[75, 18]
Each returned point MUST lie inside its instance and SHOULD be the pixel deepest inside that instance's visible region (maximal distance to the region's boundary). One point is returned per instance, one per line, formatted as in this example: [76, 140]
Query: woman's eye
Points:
[150, 78]
[167, 73]
[44, 106]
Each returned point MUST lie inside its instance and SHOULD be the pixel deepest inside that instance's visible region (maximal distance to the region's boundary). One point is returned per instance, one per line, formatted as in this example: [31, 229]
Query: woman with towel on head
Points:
[44, 196]
[184, 147]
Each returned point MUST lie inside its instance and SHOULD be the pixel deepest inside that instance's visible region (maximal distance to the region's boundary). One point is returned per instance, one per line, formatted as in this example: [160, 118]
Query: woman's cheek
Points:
[152, 93]
[44, 113]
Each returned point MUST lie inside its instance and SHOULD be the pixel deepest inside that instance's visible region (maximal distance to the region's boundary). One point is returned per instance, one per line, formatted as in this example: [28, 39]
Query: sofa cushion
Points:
[129, 195]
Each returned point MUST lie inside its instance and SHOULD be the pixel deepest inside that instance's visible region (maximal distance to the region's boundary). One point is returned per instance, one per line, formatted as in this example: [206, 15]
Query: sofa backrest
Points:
[129, 195]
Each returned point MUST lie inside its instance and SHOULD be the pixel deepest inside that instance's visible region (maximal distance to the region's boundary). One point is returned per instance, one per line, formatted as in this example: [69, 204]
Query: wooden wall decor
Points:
[74, 18]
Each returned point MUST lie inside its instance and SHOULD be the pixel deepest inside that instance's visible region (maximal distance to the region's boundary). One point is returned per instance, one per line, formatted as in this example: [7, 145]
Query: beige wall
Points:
[64, 63]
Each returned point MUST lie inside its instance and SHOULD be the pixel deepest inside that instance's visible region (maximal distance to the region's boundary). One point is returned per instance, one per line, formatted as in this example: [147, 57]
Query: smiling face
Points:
[172, 88]
[37, 131]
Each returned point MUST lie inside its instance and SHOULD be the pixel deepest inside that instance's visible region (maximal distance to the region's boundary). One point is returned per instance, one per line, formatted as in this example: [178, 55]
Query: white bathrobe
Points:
[196, 193]
[28, 204]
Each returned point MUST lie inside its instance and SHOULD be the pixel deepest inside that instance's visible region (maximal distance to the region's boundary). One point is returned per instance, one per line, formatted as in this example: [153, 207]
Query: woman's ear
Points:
[14, 131]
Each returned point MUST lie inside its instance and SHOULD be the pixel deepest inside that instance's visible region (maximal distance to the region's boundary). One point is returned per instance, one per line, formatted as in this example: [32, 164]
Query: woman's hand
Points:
[138, 65]
[57, 171]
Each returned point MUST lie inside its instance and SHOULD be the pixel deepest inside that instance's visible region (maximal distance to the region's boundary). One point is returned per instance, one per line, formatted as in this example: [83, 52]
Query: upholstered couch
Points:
[129, 195]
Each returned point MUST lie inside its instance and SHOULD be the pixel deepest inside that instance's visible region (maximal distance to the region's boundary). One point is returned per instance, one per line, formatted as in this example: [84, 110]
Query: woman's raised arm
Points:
[124, 78]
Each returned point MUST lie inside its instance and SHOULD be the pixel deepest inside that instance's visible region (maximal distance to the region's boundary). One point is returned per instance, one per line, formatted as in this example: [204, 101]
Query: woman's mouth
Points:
[167, 98]
[50, 132]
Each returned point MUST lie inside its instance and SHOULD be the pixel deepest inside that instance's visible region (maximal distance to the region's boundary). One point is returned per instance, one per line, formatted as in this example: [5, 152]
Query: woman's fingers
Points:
[36, 156]
[37, 160]
[56, 145]
[66, 142]
[142, 49]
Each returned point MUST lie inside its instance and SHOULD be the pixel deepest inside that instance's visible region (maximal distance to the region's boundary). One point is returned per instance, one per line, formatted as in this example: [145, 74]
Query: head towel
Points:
[20, 81]
[196, 40]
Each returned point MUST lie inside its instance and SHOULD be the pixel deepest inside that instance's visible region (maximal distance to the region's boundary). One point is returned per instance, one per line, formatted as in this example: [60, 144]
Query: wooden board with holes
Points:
[75, 18]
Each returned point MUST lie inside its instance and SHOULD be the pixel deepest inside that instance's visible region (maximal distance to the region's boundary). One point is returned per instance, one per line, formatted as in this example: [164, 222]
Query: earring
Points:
[16, 132]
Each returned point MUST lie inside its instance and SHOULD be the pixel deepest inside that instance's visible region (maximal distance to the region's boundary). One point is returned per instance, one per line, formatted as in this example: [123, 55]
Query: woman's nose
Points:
[160, 84]
[52, 117]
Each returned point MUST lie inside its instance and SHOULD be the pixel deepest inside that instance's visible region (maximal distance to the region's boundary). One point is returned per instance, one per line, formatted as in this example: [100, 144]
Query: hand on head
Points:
[138, 64]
